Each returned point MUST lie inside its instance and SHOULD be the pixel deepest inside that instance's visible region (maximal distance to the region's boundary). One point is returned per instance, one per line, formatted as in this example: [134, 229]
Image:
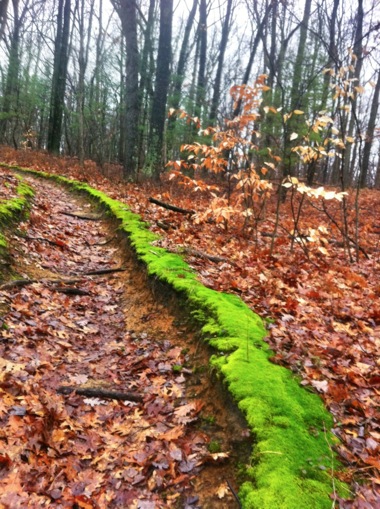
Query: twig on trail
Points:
[234, 493]
[80, 215]
[100, 272]
[71, 290]
[25, 282]
[200, 254]
[171, 207]
[17, 282]
[268, 234]
[51, 242]
[103, 243]
[163, 225]
[97, 392]
[344, 234]
[354, 244]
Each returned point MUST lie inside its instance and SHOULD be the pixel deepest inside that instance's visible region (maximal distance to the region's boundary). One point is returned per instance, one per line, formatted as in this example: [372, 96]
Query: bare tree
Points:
[147, 67]
[9, 106]
[61, 55]
[348, 167]
[3, 15]
[127, 11]
[222, 50]
[297, 91]
[84, 46]
[155, 159]
[370, 133]
[179, 76]
[255, 41]
[202, 56]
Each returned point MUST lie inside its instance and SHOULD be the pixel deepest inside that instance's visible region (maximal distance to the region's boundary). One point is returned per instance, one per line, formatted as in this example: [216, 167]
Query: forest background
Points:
[95, 79]
[259, 119]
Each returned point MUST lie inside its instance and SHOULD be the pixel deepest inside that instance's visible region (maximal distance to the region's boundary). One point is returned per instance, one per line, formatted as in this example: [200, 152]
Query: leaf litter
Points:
[75, 451]
[323, 313]
[8, 186]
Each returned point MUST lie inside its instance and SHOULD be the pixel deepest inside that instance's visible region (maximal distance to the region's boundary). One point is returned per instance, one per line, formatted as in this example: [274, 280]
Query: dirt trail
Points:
[177, 447]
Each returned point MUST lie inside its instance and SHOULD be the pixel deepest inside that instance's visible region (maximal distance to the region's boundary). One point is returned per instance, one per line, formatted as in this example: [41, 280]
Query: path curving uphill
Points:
[94, 407]
[292, 462]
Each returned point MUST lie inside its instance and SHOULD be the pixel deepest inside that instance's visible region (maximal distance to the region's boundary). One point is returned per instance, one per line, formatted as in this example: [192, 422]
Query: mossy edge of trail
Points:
[292, 463]
[12, 211]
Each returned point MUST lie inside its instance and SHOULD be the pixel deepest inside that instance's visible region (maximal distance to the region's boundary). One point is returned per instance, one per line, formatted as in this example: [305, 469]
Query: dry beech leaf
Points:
[223, 490]
[321, 386]
[94, 401]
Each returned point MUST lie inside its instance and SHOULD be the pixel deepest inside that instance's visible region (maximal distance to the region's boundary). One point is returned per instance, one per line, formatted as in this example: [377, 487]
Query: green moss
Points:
[214, 447]
[292, 456]
[12, 211]
[13, 208]
[209, 419]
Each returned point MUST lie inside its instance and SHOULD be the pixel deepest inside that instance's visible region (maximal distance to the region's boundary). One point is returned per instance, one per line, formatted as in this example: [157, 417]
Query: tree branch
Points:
[98, 392]
[171, 207]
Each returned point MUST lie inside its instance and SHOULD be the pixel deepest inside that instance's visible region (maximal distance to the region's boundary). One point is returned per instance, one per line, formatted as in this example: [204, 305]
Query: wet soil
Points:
[184, 445]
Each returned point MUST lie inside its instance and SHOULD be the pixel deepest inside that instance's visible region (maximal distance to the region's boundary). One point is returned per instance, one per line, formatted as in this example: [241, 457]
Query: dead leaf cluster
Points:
[323, 313]
[71, 450]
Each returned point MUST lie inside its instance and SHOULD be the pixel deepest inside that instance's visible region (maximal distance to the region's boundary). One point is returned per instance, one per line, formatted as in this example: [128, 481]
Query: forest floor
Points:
[324, 309]
[145, 427]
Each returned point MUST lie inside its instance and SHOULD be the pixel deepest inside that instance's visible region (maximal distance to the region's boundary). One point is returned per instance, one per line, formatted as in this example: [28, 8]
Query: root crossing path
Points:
[103, 402]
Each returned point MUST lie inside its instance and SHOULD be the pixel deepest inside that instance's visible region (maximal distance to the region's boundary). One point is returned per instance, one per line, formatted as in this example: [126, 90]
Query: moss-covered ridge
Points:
[292, 461]
[12, 211]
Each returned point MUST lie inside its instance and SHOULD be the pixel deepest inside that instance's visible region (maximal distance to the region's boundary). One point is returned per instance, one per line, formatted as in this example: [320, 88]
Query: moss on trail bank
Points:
[292, 463]
[12, 211]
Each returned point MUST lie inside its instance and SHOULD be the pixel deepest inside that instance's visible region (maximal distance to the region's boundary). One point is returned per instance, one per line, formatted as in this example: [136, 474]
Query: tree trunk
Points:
[348, 169]
[132, 89]
[333, 61]
[128, 15]
[377, 176]
[83, 60]
[96, 132]
[296, 94]
[182, 60]
[122, 103]
[12, 79]
[252, 55]
[180, 73]
[155, 160]
[369, 134]
[145, 86]
[3, 15]
[218, 78]
[61, 52]
[201, 81]
[332, 54]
